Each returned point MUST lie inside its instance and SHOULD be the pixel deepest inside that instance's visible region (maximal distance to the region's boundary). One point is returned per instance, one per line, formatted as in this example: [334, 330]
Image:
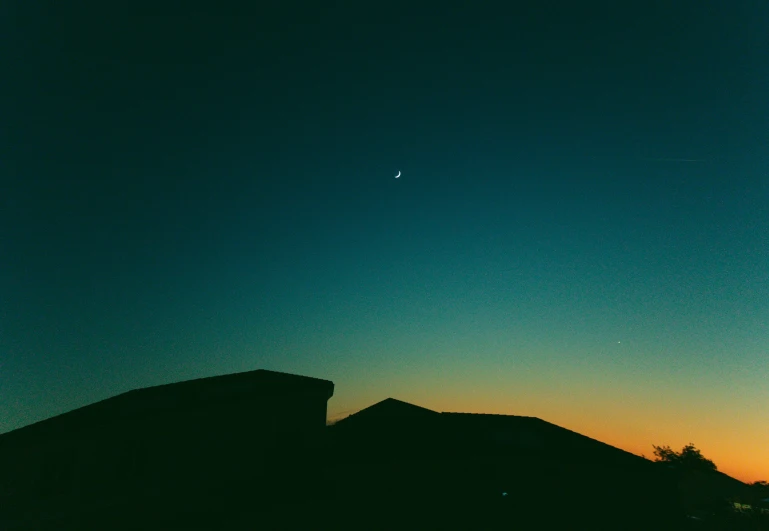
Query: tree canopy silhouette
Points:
[689, 458]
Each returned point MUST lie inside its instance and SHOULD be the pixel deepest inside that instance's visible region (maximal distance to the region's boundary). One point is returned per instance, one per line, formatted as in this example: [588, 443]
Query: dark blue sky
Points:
[195, 193]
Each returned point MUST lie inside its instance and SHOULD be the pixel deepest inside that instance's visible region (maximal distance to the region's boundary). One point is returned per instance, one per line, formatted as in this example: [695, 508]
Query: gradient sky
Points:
[192, 194]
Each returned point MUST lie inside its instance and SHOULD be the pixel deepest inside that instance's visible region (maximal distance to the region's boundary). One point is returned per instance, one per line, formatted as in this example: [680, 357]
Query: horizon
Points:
[333, 419]
[578, 232]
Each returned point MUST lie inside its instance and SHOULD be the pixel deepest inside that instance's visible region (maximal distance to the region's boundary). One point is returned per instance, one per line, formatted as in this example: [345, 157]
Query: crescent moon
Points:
[399, 174]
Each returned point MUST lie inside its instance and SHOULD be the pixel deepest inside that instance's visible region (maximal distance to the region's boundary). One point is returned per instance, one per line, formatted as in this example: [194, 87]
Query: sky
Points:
[580, 231]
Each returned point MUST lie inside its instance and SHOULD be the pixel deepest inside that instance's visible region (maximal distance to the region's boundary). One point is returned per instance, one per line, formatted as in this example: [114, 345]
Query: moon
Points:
[399, 174]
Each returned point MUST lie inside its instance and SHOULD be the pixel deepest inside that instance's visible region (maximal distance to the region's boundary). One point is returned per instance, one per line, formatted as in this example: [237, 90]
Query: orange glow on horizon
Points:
[634, 433]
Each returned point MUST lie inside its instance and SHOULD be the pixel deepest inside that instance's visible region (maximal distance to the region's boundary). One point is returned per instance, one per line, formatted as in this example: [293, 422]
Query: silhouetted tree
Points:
[688, 458]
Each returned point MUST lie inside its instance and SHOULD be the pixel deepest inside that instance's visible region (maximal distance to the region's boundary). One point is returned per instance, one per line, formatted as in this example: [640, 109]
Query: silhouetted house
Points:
[484, 470]
[238, 451]
[200, 447]
[558, 471]
[398, 426]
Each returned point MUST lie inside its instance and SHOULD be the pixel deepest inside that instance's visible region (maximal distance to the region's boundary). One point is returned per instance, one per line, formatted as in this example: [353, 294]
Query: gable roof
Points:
[387, 411]
[481, 433]
[189, 393]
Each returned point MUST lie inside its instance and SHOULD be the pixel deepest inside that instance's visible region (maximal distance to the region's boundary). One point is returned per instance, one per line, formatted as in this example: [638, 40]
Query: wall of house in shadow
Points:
[207, 447]
[492, 470]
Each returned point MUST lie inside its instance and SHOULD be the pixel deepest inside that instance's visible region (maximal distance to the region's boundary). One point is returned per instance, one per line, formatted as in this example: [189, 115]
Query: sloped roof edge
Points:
[387, 406]
[259, 381]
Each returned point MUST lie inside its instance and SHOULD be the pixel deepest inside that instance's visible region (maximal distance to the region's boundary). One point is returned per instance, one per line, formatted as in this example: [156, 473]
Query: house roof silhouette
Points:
[394, 420]
[191, 454]
[183, 450]
[405, 455]
[389, 409]
[391, 425]
[534, 434]
[170, 397]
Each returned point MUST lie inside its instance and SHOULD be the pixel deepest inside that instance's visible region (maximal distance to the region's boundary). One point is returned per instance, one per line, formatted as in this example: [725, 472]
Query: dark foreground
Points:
[252, 451]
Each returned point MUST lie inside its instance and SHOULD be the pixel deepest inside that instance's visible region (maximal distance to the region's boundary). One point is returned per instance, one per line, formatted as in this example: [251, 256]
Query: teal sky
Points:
[579, 233]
